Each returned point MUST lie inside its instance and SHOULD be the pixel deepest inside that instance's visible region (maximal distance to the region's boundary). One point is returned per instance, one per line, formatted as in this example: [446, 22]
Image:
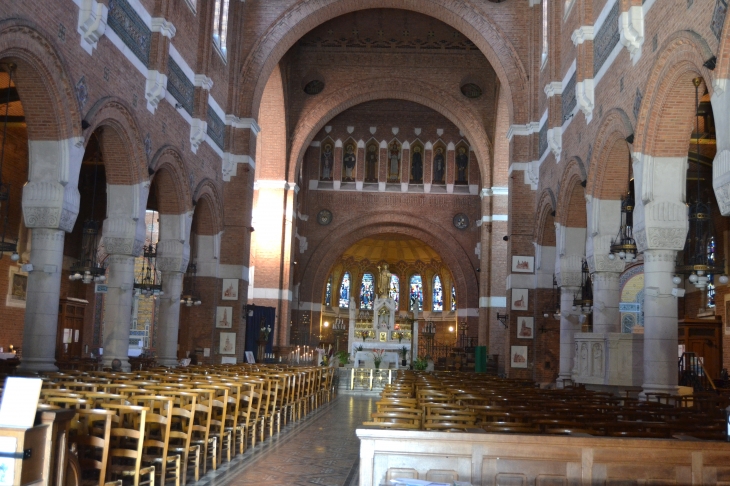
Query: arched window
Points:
[367, 292]
[345, 291]
[416, 291]
[438, 294]
[711, 249]
[394, 291]
[220, 24]
[566, 8]
[453, 298]
[328, 293]
[544, 31]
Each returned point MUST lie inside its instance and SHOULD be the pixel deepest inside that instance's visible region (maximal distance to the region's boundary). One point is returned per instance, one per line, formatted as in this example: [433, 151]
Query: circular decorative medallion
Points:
[461, 221]
[314, 87]
[471, 90]
[324, 217]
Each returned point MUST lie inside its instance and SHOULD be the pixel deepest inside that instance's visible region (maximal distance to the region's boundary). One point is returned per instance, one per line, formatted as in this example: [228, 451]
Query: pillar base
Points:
[35, 365]
[652, 388]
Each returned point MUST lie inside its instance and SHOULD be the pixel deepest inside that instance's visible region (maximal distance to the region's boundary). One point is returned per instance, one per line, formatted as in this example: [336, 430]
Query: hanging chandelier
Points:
[698, 258]
[555, 311]
[6, 246]
[191, 298]
[87, 268]
[146, 284]
[583, 300]
[624, 245]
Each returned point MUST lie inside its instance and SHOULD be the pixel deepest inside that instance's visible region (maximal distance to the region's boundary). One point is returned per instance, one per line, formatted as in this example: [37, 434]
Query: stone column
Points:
[606, 297]
[173, 255]
[568, 327]
[50, 207]
[660, 229]
[124, 237]
[721, 164]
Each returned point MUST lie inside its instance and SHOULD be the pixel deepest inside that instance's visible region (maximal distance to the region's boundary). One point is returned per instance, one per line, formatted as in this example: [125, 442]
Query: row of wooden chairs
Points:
[162, 423]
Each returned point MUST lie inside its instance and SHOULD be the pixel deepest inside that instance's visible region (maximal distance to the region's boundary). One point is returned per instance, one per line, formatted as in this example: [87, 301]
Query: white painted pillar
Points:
[606, 298]
[721, 164]
[50, 207]
[168, 319]
[568, 327]
[660, 323]
[660, 229]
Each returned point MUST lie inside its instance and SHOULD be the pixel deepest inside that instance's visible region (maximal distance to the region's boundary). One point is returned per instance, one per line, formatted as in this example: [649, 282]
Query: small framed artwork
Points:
[230, 289]
[383, 336]
[523, 264]
[223, 317]
[518, 357]
[525, 327]
[519, 299]
[17, 287]
[249, 357]
[228, 343]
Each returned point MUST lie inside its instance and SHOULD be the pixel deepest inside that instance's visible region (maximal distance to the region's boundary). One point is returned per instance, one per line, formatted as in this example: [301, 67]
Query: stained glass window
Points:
[417, 291]
[394, 292]
[345, 291]
[438, 294]
[220, 24]
[453, 298]
[328, 293]
[367, 292]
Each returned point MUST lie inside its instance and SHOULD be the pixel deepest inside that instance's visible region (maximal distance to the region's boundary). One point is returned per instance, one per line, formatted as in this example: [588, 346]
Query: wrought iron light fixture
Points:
[699, 248]
[583, 300]
[87, 268]
[191, 298]
[555, 311]
[624, 245]
[6, 246]
[147, 284]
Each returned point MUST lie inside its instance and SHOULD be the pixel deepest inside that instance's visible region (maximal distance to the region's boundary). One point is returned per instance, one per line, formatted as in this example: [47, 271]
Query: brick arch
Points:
[454, 109]
[609, 167]
[170, 181]
[474, 23]
[44, 86]
[571, 209]
[545, 220]
[664, 123]
[125, 160]
[208, 216]
[453, 256]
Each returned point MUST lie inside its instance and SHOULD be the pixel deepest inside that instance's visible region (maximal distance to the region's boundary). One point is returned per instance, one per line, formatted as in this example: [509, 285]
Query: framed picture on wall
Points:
[228, 343]
[525, 327]
[518, 357]
[18, 283]
[727, 314]
[224, 317]
[519, 299]
[523, 264]
[230, 289]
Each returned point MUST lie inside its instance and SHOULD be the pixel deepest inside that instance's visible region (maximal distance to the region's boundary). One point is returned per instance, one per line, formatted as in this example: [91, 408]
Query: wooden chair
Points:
[405, 419]
[89, 440]
[219, 406]
[201, 435]
[181, 431]
[127, 442]
[155, 448]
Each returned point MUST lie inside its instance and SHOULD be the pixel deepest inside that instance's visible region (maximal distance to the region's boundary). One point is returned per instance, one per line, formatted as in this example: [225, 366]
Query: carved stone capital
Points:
[198, 130]
[123, 246]
[48, 204]
[568, 279]
[172, 256]
[155, 88]
[92, 23]
[721, 180]
[631, 29]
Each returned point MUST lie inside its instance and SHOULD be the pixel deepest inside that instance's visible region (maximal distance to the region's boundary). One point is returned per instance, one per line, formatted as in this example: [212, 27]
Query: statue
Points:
[371, 164]
[439, 164]
[394, 162]
[417, 166]
[326, 160]
[383, 281]
[349, 162]
[462, 163]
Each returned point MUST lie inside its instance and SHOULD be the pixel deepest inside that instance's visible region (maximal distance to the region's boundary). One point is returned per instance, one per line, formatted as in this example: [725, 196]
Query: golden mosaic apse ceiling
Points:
[391, 248]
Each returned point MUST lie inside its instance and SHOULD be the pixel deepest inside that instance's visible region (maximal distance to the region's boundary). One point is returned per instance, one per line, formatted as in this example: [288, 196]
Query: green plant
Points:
[404, 352]
[343, 357]
[359, 348]
[420, 364]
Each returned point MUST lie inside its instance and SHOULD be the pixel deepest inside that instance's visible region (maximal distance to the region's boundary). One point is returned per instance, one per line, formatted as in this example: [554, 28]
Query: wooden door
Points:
[69, 335]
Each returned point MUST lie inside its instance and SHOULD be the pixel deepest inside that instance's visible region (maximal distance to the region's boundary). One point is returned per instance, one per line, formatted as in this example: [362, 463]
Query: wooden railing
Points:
[692, 373]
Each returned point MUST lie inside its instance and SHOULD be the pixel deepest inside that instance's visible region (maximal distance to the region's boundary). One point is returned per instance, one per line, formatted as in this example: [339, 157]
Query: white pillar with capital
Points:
[124, 237]
[50, 207]
[660, 230]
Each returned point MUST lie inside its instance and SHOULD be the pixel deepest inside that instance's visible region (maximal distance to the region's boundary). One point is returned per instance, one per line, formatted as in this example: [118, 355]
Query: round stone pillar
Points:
[568, 326]
[41, 305]
[660, 323]
[118, 309]
[168, 319]
[606, 298]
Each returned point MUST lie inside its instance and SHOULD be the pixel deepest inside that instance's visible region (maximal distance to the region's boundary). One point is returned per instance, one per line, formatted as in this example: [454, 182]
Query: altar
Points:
[382, 329]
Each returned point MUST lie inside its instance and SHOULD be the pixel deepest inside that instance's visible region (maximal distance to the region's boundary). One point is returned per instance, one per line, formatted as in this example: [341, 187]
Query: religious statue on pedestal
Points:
[383, 281]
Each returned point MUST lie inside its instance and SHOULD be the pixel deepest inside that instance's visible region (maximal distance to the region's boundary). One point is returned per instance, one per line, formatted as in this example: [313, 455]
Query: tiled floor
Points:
[321, 449]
